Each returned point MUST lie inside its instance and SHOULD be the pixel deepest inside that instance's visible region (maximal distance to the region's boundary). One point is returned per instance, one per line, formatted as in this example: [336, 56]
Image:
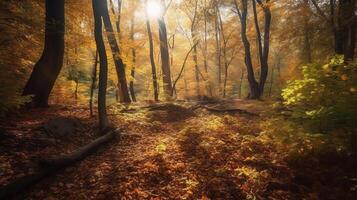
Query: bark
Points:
[165, 58]
[240, 83]
[133, 53]
[98, 6]
[185, 83]
[218, 56]
[197, 77]
[194, 39]
[119, 65]
[258, 33]
[48, 67]
[119, 96]
[64, 160]
[271, 81]
[227, 110]
[51, 166]
[172, 47]
[224, 50]
[253, 84]
[93, 84]
[209, 87]
[266, 40]
[343, 23]
[345, 29]
[152, 60]
[120, 2]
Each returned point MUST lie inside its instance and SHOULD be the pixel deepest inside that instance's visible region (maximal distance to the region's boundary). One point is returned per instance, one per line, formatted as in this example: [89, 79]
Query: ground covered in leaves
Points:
[182, 151]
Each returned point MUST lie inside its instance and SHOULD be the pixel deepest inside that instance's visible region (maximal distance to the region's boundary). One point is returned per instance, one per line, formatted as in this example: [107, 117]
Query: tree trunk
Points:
[209, 83]
[224, 50]
[218, 55]
[133, 53]
[266, 40]
[98, 6]
[80, 154]
[346, 29]
[120, 2]
[152, 60]
[93, 85]
[172, 47]
[119, 65]
[198, 92]
[271, 81]
[240, 83]
[225, 79]
[46, 70]
[253, 84]
[52, 165]
[165, 58]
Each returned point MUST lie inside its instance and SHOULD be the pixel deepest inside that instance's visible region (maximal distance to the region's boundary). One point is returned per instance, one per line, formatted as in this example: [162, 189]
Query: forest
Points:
[178, 99]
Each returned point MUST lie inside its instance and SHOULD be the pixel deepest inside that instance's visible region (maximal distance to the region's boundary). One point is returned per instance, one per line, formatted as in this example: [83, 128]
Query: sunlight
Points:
[153, 9]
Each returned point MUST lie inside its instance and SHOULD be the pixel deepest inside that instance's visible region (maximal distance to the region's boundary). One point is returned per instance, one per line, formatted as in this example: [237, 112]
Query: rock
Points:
[62, 126]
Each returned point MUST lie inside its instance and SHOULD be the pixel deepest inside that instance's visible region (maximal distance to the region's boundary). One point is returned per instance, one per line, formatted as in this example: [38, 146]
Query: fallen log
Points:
[212, 109]
[59, 161]
[52, 165]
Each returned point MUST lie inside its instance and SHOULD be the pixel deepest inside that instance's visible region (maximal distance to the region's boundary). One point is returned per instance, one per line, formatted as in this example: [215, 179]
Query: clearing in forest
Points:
[169, 151]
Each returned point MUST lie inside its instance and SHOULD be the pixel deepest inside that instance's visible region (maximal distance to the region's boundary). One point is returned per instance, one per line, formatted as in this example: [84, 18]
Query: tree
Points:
[164, 49]
[194, 39]
[46, 70]
[98, 8]
[342, 18]
[93, 84]
[263, 50]
[225, 49]
[218, 51]
[253, 84]
[133, 53]
[119, 65]
[346, 29]
[256, 88]
[152, 59]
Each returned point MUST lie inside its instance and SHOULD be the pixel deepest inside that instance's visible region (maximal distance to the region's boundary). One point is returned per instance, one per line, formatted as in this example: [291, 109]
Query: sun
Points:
[153, 9]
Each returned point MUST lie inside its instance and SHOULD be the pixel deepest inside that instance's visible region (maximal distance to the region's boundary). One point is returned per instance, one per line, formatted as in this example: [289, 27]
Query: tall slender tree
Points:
[133, 54]
[256, 88]
[152, 59]
[253, 84]
[164, 52]
[49, 65]
[93, 84]
[98, 8]
[342, 17]
[119, 64]
[346, 29]
[263, 50]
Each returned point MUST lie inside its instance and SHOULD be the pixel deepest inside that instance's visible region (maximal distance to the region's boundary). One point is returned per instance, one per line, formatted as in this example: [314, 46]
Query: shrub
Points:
[326, 95]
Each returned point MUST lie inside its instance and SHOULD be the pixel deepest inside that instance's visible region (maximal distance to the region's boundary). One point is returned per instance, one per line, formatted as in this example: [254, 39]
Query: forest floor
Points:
[179, 151]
